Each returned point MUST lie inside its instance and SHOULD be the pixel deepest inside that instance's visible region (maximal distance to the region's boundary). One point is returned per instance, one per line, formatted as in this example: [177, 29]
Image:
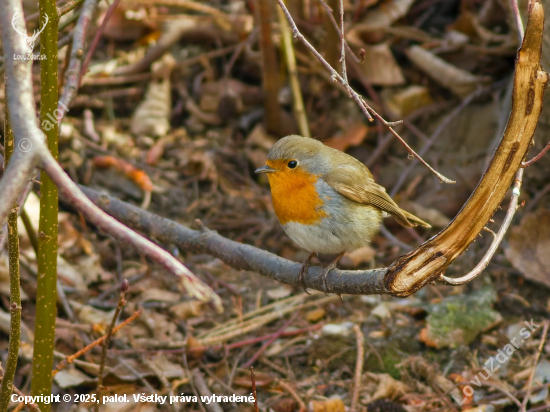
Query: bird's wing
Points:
[356, 183]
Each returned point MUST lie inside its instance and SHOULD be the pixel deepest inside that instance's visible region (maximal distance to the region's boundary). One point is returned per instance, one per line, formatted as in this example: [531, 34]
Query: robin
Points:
[326, 200]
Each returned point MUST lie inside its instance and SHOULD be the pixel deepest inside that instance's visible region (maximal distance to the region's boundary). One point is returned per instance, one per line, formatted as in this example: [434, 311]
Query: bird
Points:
[326, 200]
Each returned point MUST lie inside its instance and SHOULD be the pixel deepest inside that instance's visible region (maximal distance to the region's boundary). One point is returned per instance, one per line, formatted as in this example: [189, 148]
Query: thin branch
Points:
[335, 24]
[77, 53]
[97, 36]
[532, 375]
[358, 367]
[480, 267]
[30, 138]
[66, 8]
[235, 254]
[517, 16]
[71, 358]
[70, 192]
[537, 157]
[121, 302]
[367, 110]
[253, 381]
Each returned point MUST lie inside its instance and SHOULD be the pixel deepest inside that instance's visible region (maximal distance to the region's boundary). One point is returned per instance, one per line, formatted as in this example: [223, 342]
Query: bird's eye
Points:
[292, 164]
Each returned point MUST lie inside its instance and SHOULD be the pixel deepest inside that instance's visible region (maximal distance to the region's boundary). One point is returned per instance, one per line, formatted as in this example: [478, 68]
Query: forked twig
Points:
[71, 358]
[532, 375]
[480, 267]
[537, 157]
[365, 108]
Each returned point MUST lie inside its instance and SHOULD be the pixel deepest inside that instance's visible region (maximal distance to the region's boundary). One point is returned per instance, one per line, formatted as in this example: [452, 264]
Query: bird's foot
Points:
[328, 268]
[303, 271]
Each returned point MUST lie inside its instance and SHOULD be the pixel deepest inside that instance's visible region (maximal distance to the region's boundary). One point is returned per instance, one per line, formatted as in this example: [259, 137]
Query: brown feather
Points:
[355, 182]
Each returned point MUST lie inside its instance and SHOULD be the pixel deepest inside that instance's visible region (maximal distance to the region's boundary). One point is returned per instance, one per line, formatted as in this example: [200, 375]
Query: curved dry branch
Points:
[427, 262]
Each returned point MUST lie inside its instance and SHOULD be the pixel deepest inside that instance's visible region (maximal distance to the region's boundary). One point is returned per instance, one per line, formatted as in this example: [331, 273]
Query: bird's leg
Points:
[328, 268]
[303, 271]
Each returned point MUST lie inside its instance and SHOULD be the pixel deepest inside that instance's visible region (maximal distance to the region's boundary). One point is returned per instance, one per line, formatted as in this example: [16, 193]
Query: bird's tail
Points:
[413, 220]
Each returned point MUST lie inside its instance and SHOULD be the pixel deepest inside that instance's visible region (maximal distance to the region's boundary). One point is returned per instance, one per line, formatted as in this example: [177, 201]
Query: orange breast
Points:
[295, 198]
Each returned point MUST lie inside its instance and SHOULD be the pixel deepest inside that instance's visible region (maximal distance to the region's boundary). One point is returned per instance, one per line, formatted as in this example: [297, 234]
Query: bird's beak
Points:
[265, 169]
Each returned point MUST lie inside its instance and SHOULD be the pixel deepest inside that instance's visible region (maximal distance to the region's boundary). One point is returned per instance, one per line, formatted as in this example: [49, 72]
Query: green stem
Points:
[30, 230]
[15, 292]
[46, 294]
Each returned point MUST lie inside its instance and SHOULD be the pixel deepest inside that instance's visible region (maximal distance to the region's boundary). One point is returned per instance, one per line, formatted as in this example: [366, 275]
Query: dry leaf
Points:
[403, 102]
[529, 246]
[379, 67]
[330, 405]
[387, 388]
[353, 136]
[386, 14]
[457, 80]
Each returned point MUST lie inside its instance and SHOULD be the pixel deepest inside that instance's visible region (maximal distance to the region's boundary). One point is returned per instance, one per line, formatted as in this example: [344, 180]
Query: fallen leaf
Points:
[528, 247]
[330, 405]
[354, 136]
[457, 80]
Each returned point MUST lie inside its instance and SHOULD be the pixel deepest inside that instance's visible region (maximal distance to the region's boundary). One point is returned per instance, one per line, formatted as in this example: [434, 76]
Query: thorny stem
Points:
[366, 109]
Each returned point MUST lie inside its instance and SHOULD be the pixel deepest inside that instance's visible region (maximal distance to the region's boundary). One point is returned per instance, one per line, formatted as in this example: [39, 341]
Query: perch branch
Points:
[367, 110]
[235, 254]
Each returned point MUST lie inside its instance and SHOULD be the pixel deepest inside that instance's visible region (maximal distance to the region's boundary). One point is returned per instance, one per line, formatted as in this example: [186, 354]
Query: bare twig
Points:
[288, 387]
[270, 341]
[517, 16]
[441, 127]
[253, 381]
[121, 302]
[97, 36]
[480, 267]
[71, 358]
[340, 33]
[532, 375]
[70, 192]
[67, 7]
[358, 367]
[77, 53]
[537, 157]
[205, 391]
[367, 110]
